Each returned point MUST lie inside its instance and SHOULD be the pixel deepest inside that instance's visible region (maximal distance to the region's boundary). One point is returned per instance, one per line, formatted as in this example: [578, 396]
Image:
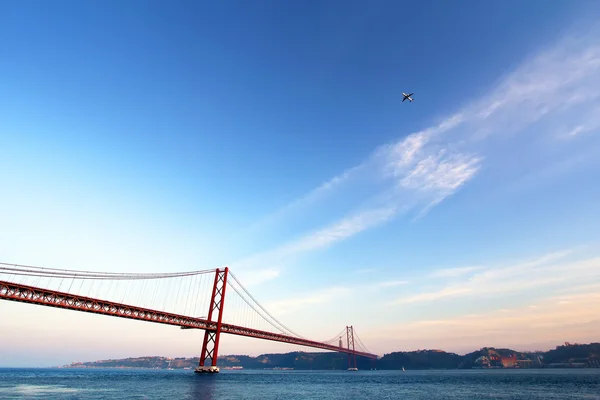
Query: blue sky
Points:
[270, 137]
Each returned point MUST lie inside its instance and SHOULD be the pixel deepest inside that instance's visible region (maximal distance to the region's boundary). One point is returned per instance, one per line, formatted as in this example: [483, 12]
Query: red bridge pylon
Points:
[210, 345]
[352, 350]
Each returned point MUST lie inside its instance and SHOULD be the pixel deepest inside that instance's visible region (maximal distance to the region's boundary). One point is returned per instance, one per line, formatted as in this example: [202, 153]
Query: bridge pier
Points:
[210, 344]
[204, 369]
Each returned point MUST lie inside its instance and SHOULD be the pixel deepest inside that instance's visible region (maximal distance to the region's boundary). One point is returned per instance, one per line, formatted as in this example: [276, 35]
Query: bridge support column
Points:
[352, 355]
[210, 345]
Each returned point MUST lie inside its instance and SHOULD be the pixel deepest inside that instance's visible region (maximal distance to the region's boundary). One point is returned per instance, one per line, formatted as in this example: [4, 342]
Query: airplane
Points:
[407, 96]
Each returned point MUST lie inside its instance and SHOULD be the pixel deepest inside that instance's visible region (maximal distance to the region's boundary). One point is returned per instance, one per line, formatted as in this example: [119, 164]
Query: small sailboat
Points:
[403, 370]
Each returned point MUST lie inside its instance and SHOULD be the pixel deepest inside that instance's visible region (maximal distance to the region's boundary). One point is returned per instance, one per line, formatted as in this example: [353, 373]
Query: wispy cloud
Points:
[391, 284]
[364, 270]
[319, 239]
[317, 194]
[586, 124]
[341, 230]
[543, 271]
[322, 296]
[562, 277]
[419, 171]
[453, 272]
[255, 277]
[551, 321]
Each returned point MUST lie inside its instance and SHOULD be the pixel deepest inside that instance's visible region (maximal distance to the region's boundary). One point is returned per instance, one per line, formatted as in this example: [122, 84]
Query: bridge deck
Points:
[33, 295]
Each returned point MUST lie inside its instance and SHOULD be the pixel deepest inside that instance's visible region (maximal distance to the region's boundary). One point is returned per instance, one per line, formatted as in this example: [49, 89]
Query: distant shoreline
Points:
[565, 356]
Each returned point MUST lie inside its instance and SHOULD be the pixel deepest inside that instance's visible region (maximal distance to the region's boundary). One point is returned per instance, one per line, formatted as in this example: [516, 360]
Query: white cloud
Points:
[453, 272]
[391, 284]
[590, 124]
[552, 81]
[318, 194]
[343, 229]
[364, 270]
[422, 169]
[431, 296]
[282, 307]
[543, 271]
[567, 309]
[320, 239]
[256, 277]
[441, 172]
[552, 320]
[577, 130]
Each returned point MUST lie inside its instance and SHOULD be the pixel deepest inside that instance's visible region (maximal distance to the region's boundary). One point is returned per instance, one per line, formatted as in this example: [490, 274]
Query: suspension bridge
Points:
[177, 299]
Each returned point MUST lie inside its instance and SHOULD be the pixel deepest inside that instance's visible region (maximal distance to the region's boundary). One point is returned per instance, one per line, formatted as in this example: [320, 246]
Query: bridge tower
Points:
[210, 345]
[352, 355]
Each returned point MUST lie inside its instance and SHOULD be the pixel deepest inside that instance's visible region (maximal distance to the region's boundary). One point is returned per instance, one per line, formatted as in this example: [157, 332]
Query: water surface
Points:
[318, 385]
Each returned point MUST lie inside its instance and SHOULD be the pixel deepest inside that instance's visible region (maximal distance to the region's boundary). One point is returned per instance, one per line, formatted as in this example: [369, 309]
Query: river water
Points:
[318, 385]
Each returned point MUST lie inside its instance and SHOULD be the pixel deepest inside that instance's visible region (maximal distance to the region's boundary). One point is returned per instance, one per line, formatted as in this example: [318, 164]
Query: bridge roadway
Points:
[33, 295]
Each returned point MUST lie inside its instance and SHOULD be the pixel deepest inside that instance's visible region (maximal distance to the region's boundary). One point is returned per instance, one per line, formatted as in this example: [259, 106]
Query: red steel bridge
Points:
[167, 298]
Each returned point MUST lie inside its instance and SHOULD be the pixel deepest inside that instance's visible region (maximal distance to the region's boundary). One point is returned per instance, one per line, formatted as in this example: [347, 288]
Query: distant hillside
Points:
[422, 359]
[294, 360]
[576, 355]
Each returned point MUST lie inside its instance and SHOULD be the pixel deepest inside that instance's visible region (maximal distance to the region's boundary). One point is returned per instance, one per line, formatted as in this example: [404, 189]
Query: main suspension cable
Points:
[26, 270]
[336, 337]
[285, 328]
[360, 342]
